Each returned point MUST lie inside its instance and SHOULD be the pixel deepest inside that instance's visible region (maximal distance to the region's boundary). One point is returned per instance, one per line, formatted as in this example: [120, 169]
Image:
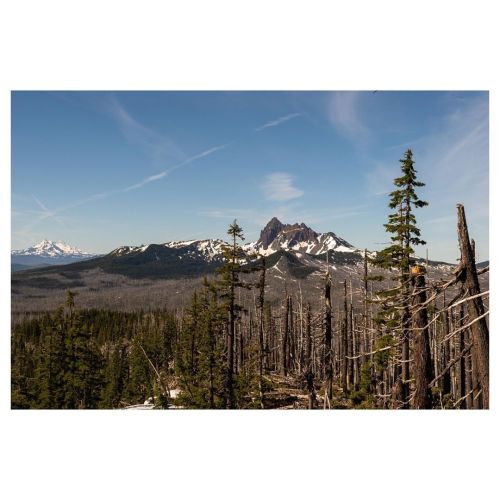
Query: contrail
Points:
[278, 121]
[168, 171]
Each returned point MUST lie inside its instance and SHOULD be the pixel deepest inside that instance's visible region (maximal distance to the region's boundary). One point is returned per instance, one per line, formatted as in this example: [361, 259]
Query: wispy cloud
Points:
[344, 112]
[453, 162]
[159, 147]
[379, 179]
[168, 171]
[46, 213]
[278, 186]
[278, 121]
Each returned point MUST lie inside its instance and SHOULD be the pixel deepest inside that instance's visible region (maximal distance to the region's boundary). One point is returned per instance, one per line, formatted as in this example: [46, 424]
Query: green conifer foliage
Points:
[394, 311]
[228, 282]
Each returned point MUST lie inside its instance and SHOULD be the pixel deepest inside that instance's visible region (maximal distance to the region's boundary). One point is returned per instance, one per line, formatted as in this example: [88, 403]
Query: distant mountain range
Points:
[300, 246]
[293, 250]
[165, 275]
[47, 253]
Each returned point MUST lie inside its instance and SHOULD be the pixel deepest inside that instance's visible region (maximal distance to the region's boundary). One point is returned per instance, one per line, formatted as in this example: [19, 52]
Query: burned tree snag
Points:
[343, 343]
[309, 363]
[467, 274]
[350, 342]
[262, 286]
[445, 355]
[284, 346]
[422, 364]
[327, 326]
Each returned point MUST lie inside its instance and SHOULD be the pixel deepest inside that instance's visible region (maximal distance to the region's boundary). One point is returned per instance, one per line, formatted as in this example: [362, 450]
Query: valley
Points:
[164, 276]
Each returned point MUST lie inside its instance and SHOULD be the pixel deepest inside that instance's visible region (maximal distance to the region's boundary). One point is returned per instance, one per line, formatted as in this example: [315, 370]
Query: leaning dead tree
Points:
[467, 274]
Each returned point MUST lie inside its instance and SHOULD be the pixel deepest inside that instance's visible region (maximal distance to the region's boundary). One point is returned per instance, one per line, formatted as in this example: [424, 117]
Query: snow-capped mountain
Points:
[48, 252]
[47, 248]
[275, 237]
[297, 243]
[291, 250]
[296, 238]
[209, 250]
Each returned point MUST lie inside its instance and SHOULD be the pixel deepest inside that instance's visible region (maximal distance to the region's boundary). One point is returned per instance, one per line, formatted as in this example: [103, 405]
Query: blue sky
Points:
[104, 169]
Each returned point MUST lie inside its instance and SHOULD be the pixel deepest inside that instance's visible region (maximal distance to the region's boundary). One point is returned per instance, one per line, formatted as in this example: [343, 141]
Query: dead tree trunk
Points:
[445, 355]
[422, 363]
[291, 337]
[230, 367]
[262, 286]
[343, 343]
[405, 353]
[363, 339]
[469, 382]
[284, 347]
[350, 342]
[309, 369]
[327, 326]
[461, 386]
[467, 274]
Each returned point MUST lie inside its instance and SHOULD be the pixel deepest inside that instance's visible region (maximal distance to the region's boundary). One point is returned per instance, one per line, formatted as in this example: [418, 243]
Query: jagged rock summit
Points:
[297, 237]
[274, 237]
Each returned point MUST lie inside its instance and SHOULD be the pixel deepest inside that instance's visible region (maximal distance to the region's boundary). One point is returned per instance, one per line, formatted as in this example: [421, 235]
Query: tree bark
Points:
[467, 273]
[284, 347]
[327, 325]
[422, 364]
[262, 286]
[309, 367]
[343, 343]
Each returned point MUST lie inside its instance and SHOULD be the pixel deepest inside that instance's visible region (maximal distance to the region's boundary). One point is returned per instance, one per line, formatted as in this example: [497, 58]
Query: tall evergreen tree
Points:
[114, 376]
[229, 281]
[402, 225]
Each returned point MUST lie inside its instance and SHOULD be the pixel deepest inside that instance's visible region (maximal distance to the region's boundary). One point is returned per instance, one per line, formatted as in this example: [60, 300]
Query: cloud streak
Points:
[278, 186]
[159, 147]
[46, 213]
[344, 112]
[278, 121]
[168, 171]
[453, 162]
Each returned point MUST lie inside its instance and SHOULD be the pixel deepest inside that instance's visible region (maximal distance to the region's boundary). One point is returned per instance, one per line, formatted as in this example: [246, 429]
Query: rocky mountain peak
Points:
[270, 231]
[297, 237]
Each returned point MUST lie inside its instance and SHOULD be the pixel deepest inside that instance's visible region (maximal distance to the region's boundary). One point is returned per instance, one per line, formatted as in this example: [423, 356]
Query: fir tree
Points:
[229, 281]
[115, 377]
[202, 378]
[399, 255]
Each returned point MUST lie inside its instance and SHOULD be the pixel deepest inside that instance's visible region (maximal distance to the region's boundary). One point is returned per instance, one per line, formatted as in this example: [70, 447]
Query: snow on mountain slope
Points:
[298, 238]
[207, 249]
[48, 248]
[295, 238]
[47, 253]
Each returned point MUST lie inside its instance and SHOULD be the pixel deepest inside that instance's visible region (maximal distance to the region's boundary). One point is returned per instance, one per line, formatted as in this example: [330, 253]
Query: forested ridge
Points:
[400, 342]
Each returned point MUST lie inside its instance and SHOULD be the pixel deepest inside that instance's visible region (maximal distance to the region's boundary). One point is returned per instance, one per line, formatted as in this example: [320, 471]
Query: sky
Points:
[103, 169]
